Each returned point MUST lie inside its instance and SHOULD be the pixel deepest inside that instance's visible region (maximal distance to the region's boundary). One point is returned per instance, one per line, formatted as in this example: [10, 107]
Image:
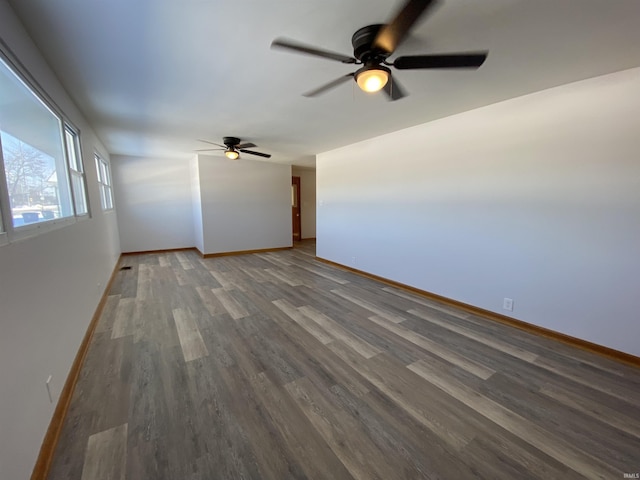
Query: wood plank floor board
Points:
[231, 305]
[125, 282]
[428, 407]
[210, 301]
[484, 338]
[549, 349]
[620, 449]
[275, 365]
[170, 433]
[256, 274]
[530, 375]
[434, 348]
[415, 452]
[108, 315]
[534, 434]
[299, 296]
[490, 463]
[317, 459]
[322, 335]
[242, 298]
[110, 360]
[342, 433]
[224, 442]
[123, 323]
[276, 259]
[77, 428]
[361, 297]
[201, 276]
[320, 272]
[598, 410]
[262, 340]
[272, 455]
[623, 389]
[190, 338]
[320, 365]
[258, 428]
[337, 331]
[383, 339]
[106, 455]
[335, 306]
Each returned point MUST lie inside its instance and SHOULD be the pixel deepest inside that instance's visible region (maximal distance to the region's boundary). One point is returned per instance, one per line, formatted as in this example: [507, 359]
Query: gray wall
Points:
[50, 286]
[535, 199]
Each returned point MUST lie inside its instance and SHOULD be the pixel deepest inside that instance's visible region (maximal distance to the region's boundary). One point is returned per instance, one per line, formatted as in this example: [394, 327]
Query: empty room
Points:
[388, 239]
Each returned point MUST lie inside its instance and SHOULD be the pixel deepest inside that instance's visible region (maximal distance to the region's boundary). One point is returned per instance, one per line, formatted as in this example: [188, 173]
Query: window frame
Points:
[8, 232]
[75, 147]
[103, 172]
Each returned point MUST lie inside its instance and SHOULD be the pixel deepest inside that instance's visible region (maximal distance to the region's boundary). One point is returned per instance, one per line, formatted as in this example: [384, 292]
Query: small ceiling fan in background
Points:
[232, 148]
[373, 44]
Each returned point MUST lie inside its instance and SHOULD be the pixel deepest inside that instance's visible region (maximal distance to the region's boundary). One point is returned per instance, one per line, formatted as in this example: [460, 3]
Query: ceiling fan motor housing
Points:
[231, 141]
[362, 42]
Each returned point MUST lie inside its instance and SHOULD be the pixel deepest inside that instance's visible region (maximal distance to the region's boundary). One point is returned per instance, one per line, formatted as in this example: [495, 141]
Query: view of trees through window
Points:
[31, 181]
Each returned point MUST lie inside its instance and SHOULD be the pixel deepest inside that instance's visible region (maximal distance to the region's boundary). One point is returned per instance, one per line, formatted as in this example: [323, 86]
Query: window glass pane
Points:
[95, 157]
[78, 184]
[105, 172]
[104, 179]
[32, 153]
[79, 195]
[71, 151]
[109, 198]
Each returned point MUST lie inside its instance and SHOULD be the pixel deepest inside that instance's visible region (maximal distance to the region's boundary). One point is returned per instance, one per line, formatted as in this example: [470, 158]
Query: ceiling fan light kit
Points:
[373, 44]
[231, 154]
[372, 78]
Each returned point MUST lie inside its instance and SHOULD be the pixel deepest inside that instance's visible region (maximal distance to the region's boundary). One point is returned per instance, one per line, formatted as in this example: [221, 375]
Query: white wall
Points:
[154, 202]
[536, 199]
[246, 204]
[307, 200]
[50, 286]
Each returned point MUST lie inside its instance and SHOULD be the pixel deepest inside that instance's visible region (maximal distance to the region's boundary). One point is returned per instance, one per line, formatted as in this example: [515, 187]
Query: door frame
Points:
[296, 209]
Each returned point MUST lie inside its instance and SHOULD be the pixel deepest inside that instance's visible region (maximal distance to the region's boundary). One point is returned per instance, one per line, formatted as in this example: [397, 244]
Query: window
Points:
[34, 178]
[78, 180]
[104, 181]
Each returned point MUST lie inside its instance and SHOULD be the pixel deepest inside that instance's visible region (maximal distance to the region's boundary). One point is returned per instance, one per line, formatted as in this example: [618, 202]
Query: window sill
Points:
[22, 233]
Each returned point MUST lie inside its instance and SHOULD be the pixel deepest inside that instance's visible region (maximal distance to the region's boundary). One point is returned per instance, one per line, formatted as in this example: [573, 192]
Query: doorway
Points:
[295, 209]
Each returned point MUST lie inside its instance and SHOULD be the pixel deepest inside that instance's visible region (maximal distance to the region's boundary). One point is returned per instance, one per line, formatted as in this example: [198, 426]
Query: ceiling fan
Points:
[373, 44]
[232, 148]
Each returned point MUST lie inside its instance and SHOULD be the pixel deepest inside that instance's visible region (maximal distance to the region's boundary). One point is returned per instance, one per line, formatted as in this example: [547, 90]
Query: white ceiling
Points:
[153, 76]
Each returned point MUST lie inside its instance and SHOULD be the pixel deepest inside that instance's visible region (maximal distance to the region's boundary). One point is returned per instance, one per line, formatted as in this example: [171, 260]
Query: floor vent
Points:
[125, 268]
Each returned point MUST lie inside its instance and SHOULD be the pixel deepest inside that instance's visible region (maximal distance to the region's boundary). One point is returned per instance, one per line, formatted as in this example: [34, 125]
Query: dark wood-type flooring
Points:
[277, 366]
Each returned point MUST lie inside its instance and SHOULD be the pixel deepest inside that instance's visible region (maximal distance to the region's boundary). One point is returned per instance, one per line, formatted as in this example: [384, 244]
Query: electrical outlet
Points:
[507, 304]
